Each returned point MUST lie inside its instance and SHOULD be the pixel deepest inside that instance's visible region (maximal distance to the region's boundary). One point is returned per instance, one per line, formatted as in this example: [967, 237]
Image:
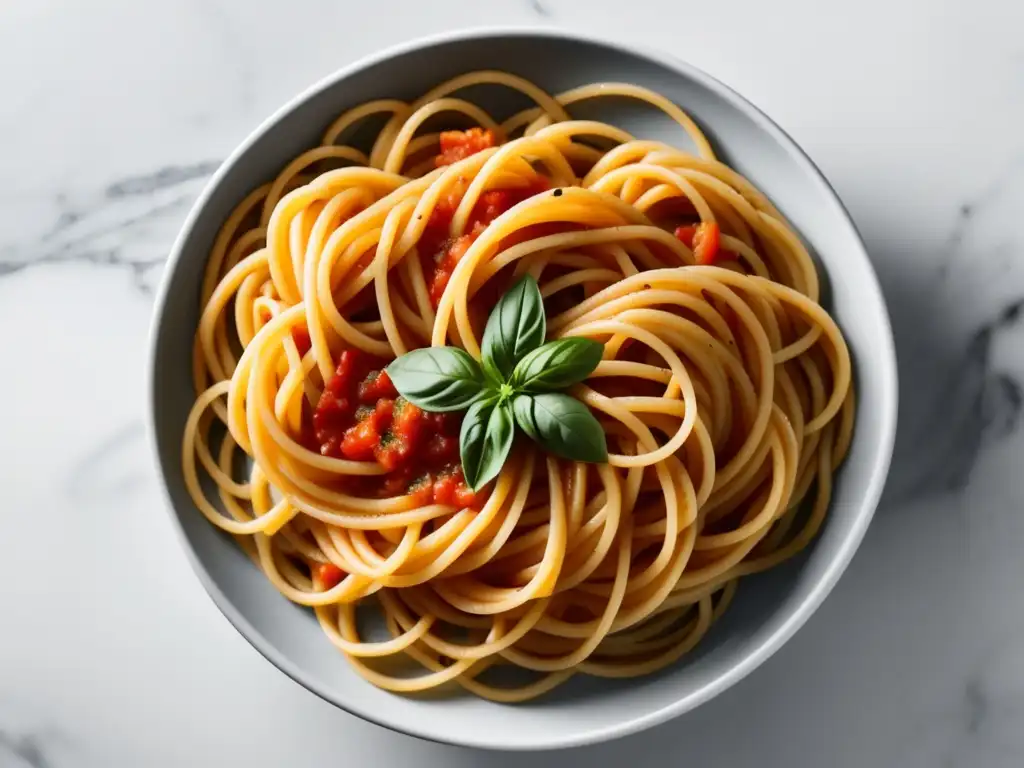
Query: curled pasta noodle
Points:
[724, 391]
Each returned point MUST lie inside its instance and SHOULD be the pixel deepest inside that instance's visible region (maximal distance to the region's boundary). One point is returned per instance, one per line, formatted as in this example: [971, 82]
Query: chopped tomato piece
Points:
[392, 452]
[362, 442]
[464, 496]
[445, 265]
[336, 407]
[444, 489]
[494, 202]
[360, 417]
[457, 250]
[435, 235]
[702, 239]
[328, 575]
[408, 482]
[447, 205]
[685, 233]
[376, 385]
[458, 145]
[422, 489]
[330, 420]
[409, 420]
[450, 488]
[350, 369]
[399, 443]
[384, 411]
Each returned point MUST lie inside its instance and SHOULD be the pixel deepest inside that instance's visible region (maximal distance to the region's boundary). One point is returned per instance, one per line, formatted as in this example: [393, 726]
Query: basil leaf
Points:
[485, 441]
[516, 326]
[562, 425]
[438, 379]
[557, 364]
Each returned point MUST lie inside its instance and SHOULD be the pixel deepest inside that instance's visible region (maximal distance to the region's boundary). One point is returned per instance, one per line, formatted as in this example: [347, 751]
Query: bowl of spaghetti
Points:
[519, 389]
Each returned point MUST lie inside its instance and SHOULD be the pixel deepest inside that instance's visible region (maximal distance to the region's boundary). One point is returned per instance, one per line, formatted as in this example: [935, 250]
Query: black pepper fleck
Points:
[558, 193]
[647, 286]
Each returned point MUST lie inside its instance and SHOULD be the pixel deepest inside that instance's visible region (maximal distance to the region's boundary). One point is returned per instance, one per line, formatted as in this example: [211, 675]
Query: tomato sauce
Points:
[703, 239]
[328, 575]
[360, 416]
[445, 262]
[301, 338]
[441, 253]
[458, 145]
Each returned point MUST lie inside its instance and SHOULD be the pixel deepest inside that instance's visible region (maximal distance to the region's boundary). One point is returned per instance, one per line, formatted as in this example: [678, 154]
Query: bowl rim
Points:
[768, 645]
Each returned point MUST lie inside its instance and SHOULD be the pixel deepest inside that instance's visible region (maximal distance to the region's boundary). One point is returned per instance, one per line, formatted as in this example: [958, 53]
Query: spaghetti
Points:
[724, 390]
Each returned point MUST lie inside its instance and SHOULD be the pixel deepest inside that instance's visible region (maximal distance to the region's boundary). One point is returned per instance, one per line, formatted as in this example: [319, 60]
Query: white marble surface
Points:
[113, 114]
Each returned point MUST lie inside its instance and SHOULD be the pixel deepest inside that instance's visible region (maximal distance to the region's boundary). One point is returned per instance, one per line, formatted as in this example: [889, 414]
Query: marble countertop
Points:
[114, 114]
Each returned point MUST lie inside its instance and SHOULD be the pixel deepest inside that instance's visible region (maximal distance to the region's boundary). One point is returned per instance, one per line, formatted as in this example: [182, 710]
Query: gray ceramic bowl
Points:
[768, 608]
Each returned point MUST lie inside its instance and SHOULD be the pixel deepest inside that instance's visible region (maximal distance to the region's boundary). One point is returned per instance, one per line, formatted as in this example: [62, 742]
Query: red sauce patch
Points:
[494, 202]
[442, 253]
[445, 262]
[361, 417]
[450, 488]
[458, 145]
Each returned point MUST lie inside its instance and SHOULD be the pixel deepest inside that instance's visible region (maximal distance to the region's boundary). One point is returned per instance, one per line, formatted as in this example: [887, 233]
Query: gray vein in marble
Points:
[976, 403]
[975, 408]
[993, 397]
[976, 705]
[24, 750]
[969, 211]
[94, 227]
[111, 257]
[983, 712]
[114, 228]
[1012, 396]
[168, 176]
[539, 8]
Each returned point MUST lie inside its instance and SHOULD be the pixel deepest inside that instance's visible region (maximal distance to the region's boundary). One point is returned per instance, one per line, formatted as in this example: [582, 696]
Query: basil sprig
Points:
[515, 385]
